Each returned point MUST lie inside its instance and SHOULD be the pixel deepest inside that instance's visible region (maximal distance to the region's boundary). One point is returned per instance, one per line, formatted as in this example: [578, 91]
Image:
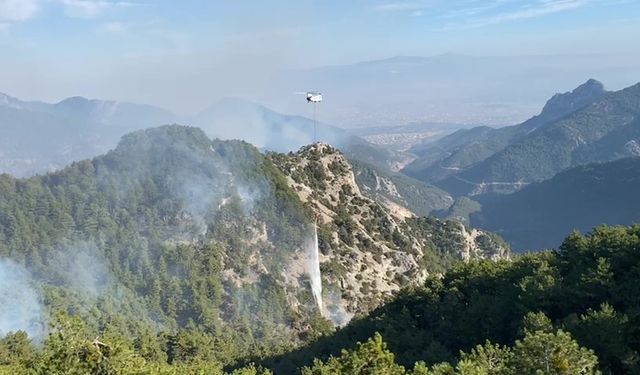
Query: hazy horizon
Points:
[186, 56]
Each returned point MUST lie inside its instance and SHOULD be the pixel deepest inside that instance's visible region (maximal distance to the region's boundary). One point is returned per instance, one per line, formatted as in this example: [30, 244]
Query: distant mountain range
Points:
[449, 88]
[36, 137]
[468, 146]
[464, 175]
[583, 126]
[540, 215]
[534, 182]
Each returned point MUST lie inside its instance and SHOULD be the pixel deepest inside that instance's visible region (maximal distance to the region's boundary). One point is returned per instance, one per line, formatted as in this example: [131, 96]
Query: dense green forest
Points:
[571, 311]
[166, 256]
[586, 292]
[136, 242]
[171, 253]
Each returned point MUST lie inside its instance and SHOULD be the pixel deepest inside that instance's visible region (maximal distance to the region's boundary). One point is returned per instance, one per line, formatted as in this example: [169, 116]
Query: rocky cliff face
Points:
[381, 185]
[372, 248]
[565, 103]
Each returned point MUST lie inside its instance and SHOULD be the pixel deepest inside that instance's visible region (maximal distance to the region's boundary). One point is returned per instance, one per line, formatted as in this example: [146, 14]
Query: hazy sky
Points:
[185, 54]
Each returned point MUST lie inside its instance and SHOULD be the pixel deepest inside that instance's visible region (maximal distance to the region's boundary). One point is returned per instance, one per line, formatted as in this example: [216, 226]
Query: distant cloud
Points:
[474, 10]
[534, 9]
[17, 10]
[91, 8]
[113, 27]
[399, 6]
[413, 9]
[543, 8]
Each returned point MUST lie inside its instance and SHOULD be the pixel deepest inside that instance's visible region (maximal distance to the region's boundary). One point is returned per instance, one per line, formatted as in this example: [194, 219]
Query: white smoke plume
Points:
[335, 311]
[20, 307]
[85, 269]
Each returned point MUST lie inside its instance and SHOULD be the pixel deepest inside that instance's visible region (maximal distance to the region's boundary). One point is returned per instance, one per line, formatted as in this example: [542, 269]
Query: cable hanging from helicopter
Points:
[314, 98]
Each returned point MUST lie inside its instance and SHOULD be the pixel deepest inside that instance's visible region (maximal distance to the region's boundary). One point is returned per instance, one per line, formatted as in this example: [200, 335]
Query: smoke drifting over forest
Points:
[83, 269]
[20, 301]
[79, 268]
[211, 193]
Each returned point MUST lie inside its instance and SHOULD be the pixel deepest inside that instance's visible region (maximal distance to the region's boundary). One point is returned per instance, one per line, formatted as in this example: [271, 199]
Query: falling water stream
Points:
[314, 271]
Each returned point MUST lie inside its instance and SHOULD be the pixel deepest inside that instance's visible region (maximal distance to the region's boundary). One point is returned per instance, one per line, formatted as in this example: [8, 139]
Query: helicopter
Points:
[314, 97]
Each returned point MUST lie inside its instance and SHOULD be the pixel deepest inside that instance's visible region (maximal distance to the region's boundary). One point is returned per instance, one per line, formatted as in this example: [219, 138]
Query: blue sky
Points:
[50, 49]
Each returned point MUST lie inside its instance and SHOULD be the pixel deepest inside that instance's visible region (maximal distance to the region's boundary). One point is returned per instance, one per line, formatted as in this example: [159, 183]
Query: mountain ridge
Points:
[580, 198]
[463, 149]
[507, 159]
[233, 223]
[89, 127]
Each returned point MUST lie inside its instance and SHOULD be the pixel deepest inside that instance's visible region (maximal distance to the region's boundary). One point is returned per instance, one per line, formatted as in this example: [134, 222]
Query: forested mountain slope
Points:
[456, 152]
[580, 198]
[140, 237]
[509, 317]
[609, 125]
[199, 248]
